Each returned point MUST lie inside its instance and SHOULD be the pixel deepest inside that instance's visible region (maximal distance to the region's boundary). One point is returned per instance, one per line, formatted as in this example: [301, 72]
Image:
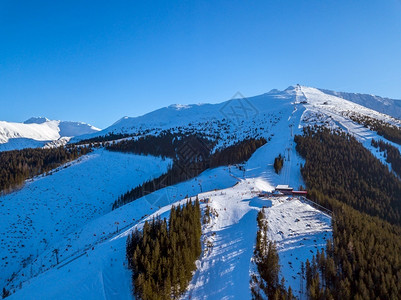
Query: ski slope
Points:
[229, 240]
[71, 208]
[101, 242]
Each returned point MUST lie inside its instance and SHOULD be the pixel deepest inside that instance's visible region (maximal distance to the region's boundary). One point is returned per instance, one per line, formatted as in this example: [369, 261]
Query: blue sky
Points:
[97, 61]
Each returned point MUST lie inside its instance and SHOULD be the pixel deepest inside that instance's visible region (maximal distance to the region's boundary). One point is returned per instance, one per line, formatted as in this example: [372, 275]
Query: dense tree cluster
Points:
[162, 256]
[388, 131]
[166, 144]
[321, 275]
[267, 261]
[236, 153]
[278, 163]
[5, 293]
[392, 154]
[18, 165]
[186, 167]
[104, 138]
[177, 173]
[363, 260]
[339, 165]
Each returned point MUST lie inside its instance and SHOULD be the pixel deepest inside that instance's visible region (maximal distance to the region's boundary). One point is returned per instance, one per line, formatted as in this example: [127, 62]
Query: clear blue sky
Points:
[97, 61]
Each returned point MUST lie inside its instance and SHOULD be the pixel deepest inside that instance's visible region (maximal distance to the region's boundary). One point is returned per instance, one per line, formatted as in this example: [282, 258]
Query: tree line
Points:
[392, 154]
[363, 259]
[166, 144]
[18, 165]
[162, 256]
[361, 262]
[388, 131]
[339, 165]
[111, 136]
[184, 168]
[267, 261]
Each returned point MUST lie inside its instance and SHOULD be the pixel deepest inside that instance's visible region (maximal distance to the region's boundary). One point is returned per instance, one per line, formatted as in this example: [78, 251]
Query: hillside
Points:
[71, 210]
[39, 132]
[387, 106]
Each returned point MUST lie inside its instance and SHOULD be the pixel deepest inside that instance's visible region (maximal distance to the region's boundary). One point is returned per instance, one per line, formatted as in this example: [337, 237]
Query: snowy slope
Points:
[37, 132]
[387, 106]
[91, 243]
[222, 273]
[104, 247]
[239, 118]
[50, 208]
[334, 112]
[223, 270]
[223, 119]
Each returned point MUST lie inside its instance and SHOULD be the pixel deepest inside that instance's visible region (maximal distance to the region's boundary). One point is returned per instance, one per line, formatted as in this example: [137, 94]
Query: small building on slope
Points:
[284, 188]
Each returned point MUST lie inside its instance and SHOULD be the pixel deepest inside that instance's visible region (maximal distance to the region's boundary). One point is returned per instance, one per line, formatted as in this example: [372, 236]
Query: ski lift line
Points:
[317, 206]
[73, 256]
[70, 261]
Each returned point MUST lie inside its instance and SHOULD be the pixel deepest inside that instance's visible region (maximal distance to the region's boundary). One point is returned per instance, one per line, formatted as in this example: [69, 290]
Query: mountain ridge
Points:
[181, 114]
[39, 131]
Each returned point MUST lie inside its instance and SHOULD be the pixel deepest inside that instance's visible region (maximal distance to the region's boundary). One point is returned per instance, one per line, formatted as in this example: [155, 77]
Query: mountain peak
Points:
[179, 106]
[37, 120]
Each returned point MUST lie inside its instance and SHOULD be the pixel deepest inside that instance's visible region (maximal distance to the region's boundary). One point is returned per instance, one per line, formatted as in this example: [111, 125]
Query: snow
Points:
[299, 231]
[40, 132]
[335, 114]
[387, 106]
[37, 132]
[36, 120]
[91, 238]
[49, 208]
[223, 119]
[234, 196]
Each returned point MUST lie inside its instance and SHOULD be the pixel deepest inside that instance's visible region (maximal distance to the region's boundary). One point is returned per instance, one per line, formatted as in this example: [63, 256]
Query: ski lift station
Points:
[281, 190]
[285, 189]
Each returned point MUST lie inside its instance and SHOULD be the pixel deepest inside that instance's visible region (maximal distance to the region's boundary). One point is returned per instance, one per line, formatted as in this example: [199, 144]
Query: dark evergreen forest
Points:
[391, 153]
[338, 166]
[267, 261]
[363, 261]
[18, 165]
[166, 144]
[390, 132]
[278, 163]
[162, 256]
[104, 138]
[184, 166]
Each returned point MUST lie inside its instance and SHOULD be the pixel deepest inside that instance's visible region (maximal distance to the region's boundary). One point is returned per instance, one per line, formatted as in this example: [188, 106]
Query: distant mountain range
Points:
[40, 131]
[387, 106]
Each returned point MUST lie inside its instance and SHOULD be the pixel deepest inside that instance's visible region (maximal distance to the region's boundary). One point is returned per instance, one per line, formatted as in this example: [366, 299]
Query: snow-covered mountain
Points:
[40, 131]
[70, 210]
[387, 106]
[240, 116]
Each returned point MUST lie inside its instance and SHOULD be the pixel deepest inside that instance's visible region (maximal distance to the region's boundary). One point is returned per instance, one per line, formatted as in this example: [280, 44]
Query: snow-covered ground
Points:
[333, 112]
[229, 240]
[34, 219]
[224, 268]
[71, 208]
[38, 132]
[299, 230]
[236, 226]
